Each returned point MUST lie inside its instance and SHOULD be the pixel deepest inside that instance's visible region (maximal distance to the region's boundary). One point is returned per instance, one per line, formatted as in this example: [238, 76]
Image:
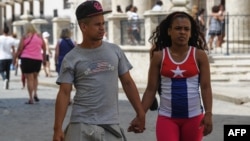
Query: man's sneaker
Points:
[6, 84]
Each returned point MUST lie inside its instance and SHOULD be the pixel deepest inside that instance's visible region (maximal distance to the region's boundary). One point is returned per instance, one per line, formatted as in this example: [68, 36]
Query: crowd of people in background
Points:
[216, 25]
[133, 26]
[134, 22]
[212, 25]
[134, 35]
[29, 54]
[63, 46]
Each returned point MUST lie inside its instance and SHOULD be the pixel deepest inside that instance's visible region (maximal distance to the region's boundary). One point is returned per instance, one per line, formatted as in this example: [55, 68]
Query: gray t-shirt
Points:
[94, 73]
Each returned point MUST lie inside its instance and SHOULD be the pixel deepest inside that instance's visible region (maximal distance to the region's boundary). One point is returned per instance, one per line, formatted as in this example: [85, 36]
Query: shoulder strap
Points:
[28, 41]
[25, 45]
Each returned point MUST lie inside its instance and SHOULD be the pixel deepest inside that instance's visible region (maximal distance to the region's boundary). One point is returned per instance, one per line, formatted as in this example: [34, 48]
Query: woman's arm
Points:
[19, 51]
[131, 91]
[206, 90]
[153, 80]
[205, 80]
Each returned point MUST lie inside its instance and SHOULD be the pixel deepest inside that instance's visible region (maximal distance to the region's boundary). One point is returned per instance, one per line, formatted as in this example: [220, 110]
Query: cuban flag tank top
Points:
[179, 86]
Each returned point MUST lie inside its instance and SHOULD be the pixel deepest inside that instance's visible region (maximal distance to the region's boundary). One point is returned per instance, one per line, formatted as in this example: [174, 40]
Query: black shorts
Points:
[30, 65]
[214, 33]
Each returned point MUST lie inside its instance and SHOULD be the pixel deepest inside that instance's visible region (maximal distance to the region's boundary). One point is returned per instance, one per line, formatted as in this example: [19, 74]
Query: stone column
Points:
[114, 27]
[37, 24]
[76, 31]
[1, 13]
[58, 25]
[179, 5]
[122, 3]
[41, 6]
[5, 14]
[15, 27]
[152, 20]
[18, 26]
[142, 5]
[106, 4]
[22, 7]
[31, 4]
[13, 12]
[238, 26]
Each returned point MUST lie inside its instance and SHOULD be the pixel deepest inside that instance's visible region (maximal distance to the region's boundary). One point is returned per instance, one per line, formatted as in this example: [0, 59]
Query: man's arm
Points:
[61, 106]
[132, 93]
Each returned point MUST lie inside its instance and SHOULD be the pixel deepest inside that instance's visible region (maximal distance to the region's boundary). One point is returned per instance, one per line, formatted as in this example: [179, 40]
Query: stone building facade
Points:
[42, 12]
[57, 14]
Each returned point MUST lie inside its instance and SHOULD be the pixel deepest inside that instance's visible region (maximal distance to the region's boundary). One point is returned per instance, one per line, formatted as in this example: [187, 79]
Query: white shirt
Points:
[135, 20]
[156, 8]
[6, 44]
[129, 14]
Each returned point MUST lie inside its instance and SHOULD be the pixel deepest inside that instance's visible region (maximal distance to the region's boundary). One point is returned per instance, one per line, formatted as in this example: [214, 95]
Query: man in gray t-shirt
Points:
[94, 67]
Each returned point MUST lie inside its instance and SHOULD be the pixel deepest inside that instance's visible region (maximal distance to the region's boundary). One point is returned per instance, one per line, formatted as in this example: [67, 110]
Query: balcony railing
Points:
[236, 40]
[128, 36]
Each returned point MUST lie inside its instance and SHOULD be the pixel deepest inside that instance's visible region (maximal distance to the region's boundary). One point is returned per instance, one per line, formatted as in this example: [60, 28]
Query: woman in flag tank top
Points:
[179, 70]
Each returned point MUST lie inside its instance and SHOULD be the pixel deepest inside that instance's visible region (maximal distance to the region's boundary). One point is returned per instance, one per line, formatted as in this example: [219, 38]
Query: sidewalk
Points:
[22, 122]
[238, 93]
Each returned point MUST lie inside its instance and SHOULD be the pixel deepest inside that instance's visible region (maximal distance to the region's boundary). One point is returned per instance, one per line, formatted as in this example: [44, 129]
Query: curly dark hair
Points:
[160, 39]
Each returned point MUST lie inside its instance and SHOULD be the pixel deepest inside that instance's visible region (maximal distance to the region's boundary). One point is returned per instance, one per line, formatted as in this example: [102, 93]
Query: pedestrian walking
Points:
[214, 30]
[46, 65]
[32, 52]
[179, 71]
[7, 51]
[63, 46]
[94, 67]
[129, 13]
[135, 25]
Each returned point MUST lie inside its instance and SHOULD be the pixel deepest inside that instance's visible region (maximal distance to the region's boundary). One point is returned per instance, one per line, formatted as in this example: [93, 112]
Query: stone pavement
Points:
[21, 122]
[238, 93]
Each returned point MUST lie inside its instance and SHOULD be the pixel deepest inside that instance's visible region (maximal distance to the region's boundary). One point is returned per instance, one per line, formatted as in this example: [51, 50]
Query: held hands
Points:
[58, 135]
[137, 125]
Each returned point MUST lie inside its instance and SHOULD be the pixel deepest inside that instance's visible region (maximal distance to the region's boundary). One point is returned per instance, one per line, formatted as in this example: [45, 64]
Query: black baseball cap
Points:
[89, 8]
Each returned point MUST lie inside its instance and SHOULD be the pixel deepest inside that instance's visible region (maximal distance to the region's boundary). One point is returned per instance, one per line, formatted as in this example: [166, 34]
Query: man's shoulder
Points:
[10, 38]
[109, 44]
